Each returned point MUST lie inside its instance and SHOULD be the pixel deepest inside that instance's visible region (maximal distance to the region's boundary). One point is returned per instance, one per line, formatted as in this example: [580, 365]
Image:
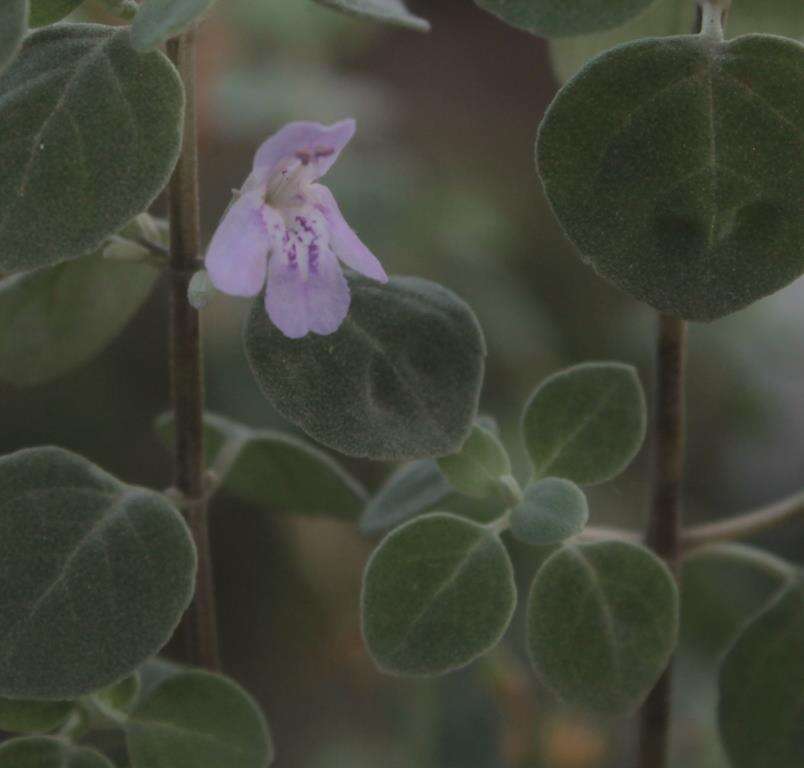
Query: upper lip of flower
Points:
[288, 229]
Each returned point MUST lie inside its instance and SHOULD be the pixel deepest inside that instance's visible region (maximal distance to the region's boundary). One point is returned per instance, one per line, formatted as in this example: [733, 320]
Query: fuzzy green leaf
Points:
[274, 469]
[47, 752]
[560, 18]
[57, 318]
[437, 593]
[602, 623]
[91, 131]
[553, 510]
[158, 20]
[675, 166]
[762, 687]
[49, 11]
[386, 11]
[400, 378]
[676, 17]
[27, 716]
[585, 423]
[13, 25]
[98, 574]
[477, 467]
[198, 720]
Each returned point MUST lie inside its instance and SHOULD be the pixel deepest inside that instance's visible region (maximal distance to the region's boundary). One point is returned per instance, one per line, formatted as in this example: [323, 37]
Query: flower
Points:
[286, 229]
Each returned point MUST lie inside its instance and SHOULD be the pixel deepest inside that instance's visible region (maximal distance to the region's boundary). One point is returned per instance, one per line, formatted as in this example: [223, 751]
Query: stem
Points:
[663, 534]
[200, 622]
[743, 526]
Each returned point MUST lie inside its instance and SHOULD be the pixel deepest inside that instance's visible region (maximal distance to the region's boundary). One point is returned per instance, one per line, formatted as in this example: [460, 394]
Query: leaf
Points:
[602, 623]
[724, 586]
[559, 18]
[437, 593]
[158, 20]
[26, 716]
[198, 720]
[676, 17]
[477, 467]
[387, 11]
[553, 510]
[98, 574]
[400, 379]
[49, 11]
[273, 469]
[585, 423]
[762, 687]
[13, 25]
[92, 130]
[57, 318]
[675, 167]
[410, 491]
[121, 696]
[48, 752]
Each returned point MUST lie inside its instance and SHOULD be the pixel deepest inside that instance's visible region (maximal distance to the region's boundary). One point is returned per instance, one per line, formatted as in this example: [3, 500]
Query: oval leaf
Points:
[45, 752]
[387, 11]
[676, 17]
[437, 593]
[585, 423]
[559, 18]
[198, 720]
[683, 188]
[13, 25]
[411, 490]
[762, 688]
[157, 20]
[553, 510]
[274, 469]
[57, 318]
[476, 469]
[94, 130]
[619, 605]
[98, 575]
[26, 716]
[399, 379]
[49, 11]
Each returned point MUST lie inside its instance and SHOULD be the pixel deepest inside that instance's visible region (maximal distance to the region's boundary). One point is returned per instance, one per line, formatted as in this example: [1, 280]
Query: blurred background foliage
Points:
[440, 182]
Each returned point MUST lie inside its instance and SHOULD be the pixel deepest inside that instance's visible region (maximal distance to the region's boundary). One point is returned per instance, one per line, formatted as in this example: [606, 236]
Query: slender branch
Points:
[745, 525]
[200, 622]
[664, 526]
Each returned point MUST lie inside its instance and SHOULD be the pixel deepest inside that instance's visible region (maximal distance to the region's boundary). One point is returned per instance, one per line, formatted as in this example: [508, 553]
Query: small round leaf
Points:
[602, 623]
[437, 593]
[762, 688]
[13, 25]
[386, 11]
[477, 467]
[560, 18]
[98, 574]
[57, 318]
[26, 716]
[585, 423]
[47, 752]
[157, 20]
[400, 378]
[198, 720]
[91, 130]
[273, 469]
[553, 510]
[675, 166]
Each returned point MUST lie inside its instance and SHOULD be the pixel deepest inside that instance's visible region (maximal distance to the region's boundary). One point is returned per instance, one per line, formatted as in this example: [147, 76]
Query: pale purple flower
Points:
[287, 229]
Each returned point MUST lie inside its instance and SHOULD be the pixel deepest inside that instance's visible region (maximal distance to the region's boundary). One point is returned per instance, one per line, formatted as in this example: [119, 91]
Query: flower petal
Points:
[298, 305]
[321, 143]
[237, 256]
[342, 239]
